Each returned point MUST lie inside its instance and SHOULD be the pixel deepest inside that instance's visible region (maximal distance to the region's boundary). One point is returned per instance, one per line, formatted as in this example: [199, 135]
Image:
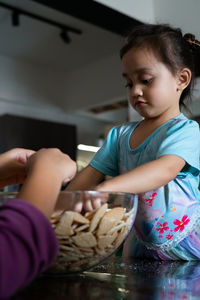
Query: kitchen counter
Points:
[118, 279]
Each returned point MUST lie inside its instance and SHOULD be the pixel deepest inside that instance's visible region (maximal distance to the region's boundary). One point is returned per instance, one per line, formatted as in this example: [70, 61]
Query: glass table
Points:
[120, 279]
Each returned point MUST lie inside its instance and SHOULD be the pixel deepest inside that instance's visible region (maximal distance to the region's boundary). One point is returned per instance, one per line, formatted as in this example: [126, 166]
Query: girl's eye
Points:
[147, 81]
[128, 85]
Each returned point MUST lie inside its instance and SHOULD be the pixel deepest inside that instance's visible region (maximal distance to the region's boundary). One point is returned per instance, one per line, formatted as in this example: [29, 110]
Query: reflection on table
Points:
[119, 279]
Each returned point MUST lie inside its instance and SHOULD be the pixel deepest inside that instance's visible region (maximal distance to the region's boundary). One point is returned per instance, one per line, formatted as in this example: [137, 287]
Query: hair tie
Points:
[190, 38]
[194, 42]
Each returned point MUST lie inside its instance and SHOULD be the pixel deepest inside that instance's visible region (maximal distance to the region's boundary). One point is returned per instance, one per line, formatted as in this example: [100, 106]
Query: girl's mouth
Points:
[140, 103]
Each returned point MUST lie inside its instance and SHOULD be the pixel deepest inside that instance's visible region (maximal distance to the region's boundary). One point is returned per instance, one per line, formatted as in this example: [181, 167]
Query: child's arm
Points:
[12, 166]
[28, 242]
[47, 170]
[146, 177]
[86, 179]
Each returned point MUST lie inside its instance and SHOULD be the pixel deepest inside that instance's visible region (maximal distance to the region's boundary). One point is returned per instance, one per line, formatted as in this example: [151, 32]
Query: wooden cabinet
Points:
[16, 131]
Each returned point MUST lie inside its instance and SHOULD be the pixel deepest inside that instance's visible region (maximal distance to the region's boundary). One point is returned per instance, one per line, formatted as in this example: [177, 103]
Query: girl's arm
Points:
[86, 179]
[146, 177]
[47, 170]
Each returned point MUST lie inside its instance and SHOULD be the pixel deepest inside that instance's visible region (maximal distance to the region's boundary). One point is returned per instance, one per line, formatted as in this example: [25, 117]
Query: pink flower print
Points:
[184, 296]
[150, 199]
[163, 227]
[169, 236]
[181, 224]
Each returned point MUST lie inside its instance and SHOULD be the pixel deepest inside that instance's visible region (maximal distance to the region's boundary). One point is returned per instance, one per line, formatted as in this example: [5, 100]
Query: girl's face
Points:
[152, 88]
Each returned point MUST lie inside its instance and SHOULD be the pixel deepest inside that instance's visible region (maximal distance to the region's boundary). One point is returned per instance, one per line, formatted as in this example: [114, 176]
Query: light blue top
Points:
[168, 214]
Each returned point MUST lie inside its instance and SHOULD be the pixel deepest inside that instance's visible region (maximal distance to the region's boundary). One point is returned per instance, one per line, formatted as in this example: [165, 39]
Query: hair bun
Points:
[189, 36]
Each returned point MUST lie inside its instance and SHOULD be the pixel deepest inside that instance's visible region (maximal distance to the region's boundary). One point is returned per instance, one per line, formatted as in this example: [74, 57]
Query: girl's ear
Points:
[183, 79]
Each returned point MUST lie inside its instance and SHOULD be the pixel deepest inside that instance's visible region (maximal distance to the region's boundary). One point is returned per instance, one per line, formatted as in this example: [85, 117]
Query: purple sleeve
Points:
[28, 245]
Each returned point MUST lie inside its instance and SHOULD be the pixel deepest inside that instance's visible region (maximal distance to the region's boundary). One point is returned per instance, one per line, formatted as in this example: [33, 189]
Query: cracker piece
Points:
[116, 228]
[57, 214]
[88, 250]
[88, 254]
[66, 248]
[121, 236]
[105, 225]
[115, 213]
[69, 258]
[79, 218]
[106, 240]
[54, 220]
[85, 240]
[61, 254]
[129, 212]
[97, 216]
[74, 226]
[100, 251]
[82, 227]
[79, 263]
[65, 242]
[89, 214]
[64, 226]
[110, 219]
[63, 237]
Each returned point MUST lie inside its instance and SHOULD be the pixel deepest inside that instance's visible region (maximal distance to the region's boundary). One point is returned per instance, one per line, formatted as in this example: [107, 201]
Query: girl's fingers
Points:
[78, 206]
[22, 155]
[88, 205]
[96, 203]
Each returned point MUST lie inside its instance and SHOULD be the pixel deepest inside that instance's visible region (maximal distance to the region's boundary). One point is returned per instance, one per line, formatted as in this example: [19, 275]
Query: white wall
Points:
[25, 83]
[100, 82]
[34, 91]
[180, 13]
[183, 14]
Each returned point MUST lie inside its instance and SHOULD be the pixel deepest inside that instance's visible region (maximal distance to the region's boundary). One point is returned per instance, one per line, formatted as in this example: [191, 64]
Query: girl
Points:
[158, 157]
[28, 242]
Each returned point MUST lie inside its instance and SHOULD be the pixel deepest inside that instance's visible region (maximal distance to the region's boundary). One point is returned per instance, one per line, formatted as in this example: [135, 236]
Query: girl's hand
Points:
[52, 160]
[83, 201]
[47, 170]
[13, 166]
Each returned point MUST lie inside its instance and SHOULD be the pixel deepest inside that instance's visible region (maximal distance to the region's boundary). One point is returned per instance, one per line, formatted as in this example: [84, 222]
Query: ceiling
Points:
[38, 42]
[94, 13]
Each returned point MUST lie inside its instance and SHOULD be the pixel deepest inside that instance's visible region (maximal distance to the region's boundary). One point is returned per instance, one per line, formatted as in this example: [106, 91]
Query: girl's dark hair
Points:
[169, 46]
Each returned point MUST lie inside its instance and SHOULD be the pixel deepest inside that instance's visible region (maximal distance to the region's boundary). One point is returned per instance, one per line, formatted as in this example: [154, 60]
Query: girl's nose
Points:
[136, 91]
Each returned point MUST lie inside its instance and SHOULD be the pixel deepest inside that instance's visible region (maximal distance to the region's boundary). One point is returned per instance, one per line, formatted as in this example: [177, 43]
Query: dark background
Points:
[16, 131]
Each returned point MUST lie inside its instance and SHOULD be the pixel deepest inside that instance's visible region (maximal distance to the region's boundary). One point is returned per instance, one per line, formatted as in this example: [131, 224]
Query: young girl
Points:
[28, 242]
[158, 157]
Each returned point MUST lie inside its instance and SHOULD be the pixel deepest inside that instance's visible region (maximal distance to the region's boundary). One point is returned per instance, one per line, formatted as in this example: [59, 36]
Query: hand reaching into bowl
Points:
[82, 202]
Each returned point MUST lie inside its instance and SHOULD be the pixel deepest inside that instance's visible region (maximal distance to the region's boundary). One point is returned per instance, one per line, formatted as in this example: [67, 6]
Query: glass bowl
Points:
[87, 238]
